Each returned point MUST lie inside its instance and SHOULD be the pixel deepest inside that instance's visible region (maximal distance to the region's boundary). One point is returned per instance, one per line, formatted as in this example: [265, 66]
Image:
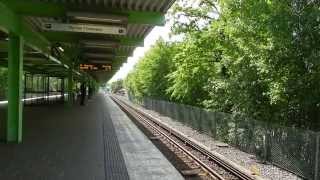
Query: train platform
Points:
[93, 142]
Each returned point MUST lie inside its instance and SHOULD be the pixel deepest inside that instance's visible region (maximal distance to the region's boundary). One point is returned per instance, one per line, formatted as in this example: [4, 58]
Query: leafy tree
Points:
[149, 77]
[257, 58]
[193, 15]
[194, 64]
[116, 85]
[272, 59]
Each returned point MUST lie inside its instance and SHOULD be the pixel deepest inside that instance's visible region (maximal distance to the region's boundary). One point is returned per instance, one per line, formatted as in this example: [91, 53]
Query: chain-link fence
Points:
[293, 149]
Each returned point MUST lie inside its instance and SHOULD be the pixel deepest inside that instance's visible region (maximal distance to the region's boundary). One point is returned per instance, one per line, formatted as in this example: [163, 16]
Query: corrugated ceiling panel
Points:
[133, 30]
[138, 5]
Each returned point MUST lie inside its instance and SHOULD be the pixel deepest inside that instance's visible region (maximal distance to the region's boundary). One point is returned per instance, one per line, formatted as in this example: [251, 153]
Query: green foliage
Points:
[193, 15]
[3, 82]
[149, 76]
[272, 60]
[117, 85]
[193, 65]
[258, 58]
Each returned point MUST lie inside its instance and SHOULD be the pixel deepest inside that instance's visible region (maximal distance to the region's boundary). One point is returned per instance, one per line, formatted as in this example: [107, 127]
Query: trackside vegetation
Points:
[3, 82]
[257, 58]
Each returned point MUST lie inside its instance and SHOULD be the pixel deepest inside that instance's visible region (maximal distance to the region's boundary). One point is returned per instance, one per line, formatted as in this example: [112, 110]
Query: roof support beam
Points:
[47, 9]
[105, 55]
[11, 22]
[14, 23]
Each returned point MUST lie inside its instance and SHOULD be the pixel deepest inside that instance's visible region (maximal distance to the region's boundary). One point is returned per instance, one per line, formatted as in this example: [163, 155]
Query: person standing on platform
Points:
[90, 92]
[83, 94]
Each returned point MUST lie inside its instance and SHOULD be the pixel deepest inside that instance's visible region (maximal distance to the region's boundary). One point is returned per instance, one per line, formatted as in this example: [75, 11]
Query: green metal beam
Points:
[33, 8]
[12, 22]
[130, 41]
[47, 9]
[150, 18]
[15, 73]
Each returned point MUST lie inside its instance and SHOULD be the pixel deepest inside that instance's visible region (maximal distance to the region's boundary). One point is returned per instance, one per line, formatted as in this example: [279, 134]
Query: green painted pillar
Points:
[15, 87]
[70, 87]
[62, 89]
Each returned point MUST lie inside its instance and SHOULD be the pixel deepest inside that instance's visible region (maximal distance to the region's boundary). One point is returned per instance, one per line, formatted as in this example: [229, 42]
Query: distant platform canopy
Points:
[92, 37]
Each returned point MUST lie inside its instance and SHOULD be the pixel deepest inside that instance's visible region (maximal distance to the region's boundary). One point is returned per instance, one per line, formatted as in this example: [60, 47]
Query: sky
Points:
[151, 38]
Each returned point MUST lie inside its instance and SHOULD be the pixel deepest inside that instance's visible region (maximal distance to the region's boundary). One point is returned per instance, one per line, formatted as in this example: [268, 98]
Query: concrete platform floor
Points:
[92, 142]
[143, 160]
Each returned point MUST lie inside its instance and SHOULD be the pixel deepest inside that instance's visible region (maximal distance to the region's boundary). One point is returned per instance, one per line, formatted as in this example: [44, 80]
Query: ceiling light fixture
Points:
[93, 17]
[61, 49]
[99, 62]
[100, 44]
[97, 55]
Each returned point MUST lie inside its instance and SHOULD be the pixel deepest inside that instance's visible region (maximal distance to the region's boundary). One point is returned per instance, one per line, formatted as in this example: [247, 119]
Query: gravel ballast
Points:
[239, 157]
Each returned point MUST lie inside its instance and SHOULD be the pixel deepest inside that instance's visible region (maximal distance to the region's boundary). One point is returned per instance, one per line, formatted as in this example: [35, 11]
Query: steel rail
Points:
[136, 115]
[227, 166]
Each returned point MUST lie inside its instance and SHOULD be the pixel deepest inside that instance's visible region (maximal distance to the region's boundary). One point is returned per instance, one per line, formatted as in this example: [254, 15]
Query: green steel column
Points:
[15, 72]
[25, 88]
[70, 87]
[48, 90]
[62, 89]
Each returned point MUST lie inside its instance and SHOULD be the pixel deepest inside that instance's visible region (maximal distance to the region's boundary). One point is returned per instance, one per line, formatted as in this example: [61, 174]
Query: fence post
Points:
[267, 145]
[199, 119]
[236, 138]
[214, 124]
[317, 160]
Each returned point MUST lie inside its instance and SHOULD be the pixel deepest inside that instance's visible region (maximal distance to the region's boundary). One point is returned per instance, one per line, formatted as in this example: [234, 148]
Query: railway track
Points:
[208, 164]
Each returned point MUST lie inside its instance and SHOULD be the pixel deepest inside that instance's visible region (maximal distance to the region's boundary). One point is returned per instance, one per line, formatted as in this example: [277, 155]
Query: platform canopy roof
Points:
[96, 35]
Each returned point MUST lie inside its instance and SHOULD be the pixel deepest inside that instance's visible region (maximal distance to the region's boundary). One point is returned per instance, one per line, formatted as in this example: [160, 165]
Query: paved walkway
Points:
[143, 160]
[82, 143]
